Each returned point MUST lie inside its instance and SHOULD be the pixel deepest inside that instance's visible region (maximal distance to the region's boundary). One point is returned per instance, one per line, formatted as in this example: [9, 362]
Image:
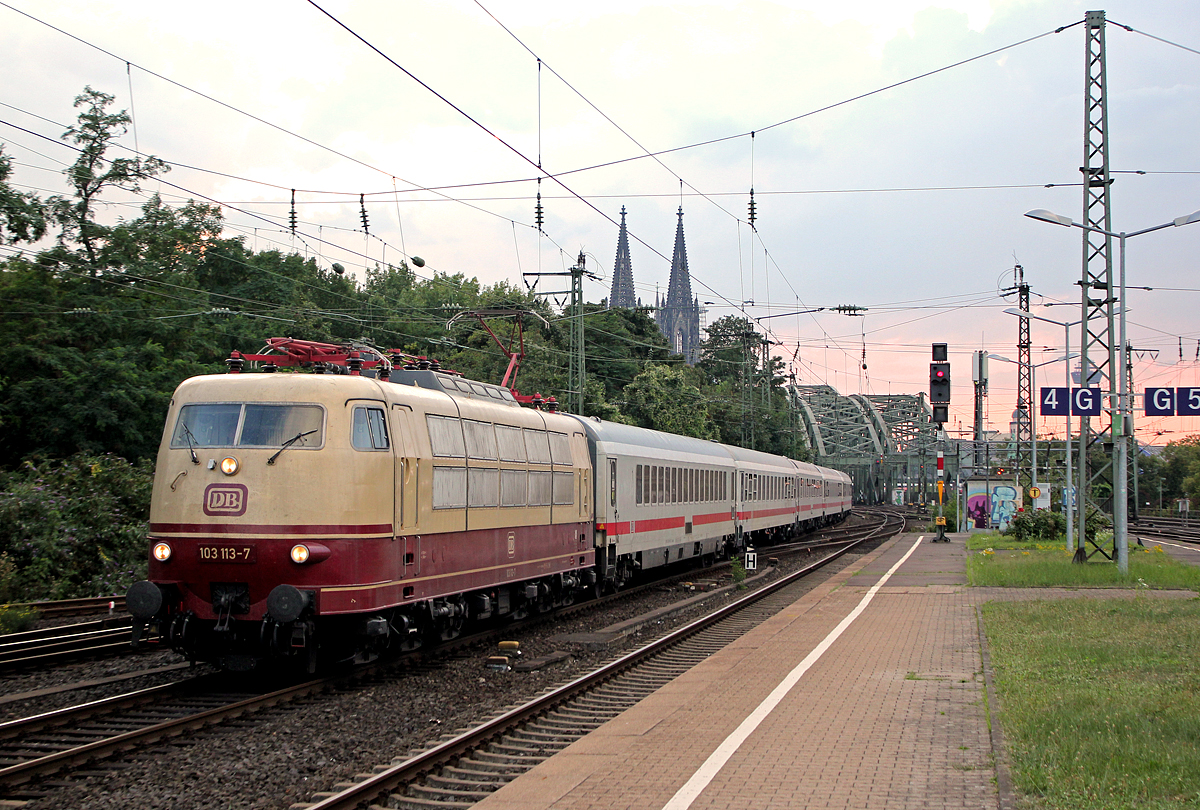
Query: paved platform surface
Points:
[892, 714]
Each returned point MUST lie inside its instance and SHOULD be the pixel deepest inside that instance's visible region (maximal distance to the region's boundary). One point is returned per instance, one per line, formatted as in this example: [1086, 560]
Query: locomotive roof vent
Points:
[455, 386]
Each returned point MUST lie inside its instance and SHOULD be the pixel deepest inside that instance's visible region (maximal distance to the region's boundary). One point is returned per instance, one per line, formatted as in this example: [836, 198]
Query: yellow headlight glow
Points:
[162, 552]
[229, 465]
[299, 554]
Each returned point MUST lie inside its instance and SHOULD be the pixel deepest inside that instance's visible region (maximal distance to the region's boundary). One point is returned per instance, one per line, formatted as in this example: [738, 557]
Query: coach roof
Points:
[616, 433]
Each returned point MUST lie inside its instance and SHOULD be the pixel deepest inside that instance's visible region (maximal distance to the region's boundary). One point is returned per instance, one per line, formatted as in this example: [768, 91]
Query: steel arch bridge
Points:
[881, 441]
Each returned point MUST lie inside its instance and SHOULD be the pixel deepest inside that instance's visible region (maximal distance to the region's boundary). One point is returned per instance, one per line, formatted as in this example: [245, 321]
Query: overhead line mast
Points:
[1097, 360]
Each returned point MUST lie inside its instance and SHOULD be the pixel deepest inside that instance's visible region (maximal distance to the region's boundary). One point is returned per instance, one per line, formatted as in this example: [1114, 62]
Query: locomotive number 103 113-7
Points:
[226, 554]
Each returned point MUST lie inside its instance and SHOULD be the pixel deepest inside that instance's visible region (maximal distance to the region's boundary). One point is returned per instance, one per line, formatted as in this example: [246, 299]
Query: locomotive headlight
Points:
[229, 465]
[310, 553]
[161, 552]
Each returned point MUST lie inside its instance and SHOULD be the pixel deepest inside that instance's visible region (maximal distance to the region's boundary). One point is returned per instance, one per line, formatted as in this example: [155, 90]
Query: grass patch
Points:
[1100, 701]
[1045, 568]
[978, 541]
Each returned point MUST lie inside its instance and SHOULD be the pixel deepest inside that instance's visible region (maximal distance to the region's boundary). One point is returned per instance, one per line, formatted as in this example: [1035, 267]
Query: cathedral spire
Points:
[678, 317]
[622, 285]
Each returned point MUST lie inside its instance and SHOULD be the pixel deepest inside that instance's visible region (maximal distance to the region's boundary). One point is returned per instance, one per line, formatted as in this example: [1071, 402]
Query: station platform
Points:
[871, 692]
[867, 692]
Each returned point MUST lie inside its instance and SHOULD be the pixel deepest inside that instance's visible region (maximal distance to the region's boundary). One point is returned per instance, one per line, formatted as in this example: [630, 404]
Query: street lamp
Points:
[1121, 437]
[1033, 367]
[1068, 488]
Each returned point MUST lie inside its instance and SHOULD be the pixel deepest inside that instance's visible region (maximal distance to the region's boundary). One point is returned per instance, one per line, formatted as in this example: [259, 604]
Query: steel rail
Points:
[73, 607]
[52, 763]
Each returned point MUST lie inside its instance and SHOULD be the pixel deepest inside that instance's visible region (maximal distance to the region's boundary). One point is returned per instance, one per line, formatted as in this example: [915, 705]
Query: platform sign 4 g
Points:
[1071, 401]
[1172, 402]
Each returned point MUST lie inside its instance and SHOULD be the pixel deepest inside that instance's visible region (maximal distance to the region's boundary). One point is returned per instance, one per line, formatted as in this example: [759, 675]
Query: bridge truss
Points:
[885, 443]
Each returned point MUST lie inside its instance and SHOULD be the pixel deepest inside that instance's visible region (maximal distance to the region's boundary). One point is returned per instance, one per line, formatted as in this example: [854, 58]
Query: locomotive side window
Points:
[248, 425]
[511, 443]
[445, 436]
[369, 429]
[612, 480]
[449, 487]
[560, 449]
[539, 488]
[514, 487]
[481, 439]
[564, 488]
[537, 446]
[483, 486]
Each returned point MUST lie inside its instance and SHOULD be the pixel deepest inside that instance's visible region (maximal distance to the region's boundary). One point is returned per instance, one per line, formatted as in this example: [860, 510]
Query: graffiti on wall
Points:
[992, 504]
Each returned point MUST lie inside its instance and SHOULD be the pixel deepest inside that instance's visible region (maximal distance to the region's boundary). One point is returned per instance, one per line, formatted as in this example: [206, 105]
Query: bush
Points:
[1041, 526]
[73, 528]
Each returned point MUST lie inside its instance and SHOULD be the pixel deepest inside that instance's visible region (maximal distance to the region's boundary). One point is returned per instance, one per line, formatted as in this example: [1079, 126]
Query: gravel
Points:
[285, 755]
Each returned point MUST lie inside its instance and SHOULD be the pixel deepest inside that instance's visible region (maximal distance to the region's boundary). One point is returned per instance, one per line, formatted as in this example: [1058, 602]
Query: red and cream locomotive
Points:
[339, 514]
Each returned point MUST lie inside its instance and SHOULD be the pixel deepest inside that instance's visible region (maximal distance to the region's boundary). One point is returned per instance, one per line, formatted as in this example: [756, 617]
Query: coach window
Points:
[369, 429]
[637, 484]
[612, 481]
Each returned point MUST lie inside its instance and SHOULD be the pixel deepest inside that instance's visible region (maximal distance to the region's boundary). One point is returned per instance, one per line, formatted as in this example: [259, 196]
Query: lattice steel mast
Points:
[1098, 348]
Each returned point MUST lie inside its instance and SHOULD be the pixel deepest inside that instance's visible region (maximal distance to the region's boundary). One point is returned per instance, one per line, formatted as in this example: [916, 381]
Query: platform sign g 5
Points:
[1187, 401]
[1160, 402]
[1055, 401]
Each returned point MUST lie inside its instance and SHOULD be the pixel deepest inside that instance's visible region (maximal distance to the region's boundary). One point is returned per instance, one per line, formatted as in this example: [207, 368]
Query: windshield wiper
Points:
[289, 443]
[191, 440]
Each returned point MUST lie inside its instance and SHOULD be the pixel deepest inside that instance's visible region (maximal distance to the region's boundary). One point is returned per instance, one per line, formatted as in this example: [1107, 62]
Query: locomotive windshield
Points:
[232, 424]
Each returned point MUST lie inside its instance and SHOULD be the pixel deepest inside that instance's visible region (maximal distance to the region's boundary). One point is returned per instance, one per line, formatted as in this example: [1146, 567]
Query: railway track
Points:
[467, 767]
[35, 747]
[58, 645]
[75, 607]
[45, 744]
[1177, 533]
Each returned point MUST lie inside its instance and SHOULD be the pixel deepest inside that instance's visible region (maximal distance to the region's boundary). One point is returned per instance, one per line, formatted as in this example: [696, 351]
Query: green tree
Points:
[22, 214]
[727, 354]
[1181, 470]
[95, 133]
[667, 398]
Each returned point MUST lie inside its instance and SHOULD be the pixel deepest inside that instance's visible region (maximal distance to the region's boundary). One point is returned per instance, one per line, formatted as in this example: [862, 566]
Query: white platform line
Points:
[687, 794]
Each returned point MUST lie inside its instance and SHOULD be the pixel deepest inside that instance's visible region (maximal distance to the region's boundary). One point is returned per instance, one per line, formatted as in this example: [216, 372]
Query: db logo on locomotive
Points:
[225, 499]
